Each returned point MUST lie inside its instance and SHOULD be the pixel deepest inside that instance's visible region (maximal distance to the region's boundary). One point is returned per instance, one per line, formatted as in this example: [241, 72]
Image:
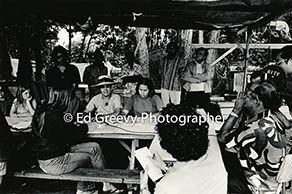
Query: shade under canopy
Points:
[200, 14]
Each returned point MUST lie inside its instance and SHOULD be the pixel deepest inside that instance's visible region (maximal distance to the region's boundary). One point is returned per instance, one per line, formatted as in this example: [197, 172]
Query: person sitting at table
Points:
[199, 168]
[145, 100]
[255, 132]
[105, 103]
[59, 145]
[6, 100]
[24, 104]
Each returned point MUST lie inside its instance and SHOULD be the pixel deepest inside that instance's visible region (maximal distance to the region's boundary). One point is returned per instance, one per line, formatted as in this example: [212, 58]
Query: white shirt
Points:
[104, 106]
[206, 175]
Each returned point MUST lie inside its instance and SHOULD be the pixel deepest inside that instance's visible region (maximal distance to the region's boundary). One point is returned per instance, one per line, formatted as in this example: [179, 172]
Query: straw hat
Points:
[104, 80]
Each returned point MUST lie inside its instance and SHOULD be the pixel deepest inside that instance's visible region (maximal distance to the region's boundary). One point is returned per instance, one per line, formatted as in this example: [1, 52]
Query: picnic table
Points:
[122, 131]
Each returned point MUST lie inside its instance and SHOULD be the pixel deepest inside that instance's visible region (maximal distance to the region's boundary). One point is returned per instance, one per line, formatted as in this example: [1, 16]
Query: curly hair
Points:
[184, 142]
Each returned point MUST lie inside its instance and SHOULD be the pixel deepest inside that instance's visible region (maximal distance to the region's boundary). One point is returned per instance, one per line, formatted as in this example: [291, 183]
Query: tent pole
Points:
[247, 39]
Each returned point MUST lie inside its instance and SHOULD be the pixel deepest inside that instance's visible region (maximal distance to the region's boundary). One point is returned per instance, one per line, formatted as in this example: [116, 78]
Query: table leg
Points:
[135, 144]
[133, 148]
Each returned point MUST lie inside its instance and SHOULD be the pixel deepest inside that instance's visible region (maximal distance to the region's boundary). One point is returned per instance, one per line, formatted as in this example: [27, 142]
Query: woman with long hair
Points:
[24, 104]
[59, 145]
[145, 100]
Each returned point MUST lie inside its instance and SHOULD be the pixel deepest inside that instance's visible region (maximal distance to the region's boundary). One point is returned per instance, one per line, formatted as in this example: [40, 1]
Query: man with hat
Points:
[106, 102]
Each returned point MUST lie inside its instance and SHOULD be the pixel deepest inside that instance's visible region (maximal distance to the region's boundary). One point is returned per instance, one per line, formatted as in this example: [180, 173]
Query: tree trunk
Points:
[88, 44]
[214, 39]
[70, 42]
[142, 51]
[185, 38]
[212, 53]
[80, 58]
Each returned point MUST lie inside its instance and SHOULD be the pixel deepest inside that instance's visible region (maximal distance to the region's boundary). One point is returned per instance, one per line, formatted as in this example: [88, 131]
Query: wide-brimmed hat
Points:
[104, 80]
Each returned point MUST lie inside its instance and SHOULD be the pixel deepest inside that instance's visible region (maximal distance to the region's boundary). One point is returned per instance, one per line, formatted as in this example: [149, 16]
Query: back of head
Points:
[185, 139]
[59, 98]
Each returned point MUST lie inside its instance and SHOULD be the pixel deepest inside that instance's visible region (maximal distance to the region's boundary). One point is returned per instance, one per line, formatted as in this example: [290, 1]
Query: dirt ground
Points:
[38, 186]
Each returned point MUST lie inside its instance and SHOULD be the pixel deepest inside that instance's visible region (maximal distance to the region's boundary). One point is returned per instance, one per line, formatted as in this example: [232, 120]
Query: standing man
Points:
[198, 77]
[171, 70]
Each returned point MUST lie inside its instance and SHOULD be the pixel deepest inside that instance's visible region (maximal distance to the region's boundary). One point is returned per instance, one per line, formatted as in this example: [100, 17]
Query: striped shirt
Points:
[260, 146]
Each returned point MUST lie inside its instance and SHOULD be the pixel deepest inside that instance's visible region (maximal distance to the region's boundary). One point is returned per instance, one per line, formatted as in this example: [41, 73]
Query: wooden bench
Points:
[84, 174]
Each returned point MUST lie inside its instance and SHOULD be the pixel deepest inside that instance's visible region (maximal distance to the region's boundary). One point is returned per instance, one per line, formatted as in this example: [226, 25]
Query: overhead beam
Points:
[251, 46]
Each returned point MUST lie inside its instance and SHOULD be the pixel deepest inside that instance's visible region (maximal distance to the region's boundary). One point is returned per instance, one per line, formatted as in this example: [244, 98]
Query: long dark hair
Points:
[19, 97]
[147, 82]
[268, 94]
[59, 100]
[62, 50]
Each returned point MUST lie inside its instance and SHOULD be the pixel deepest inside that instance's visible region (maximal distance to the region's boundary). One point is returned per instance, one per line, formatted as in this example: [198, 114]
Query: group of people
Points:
[183, 81]
[253, 145]
[61, 147]
[252, 139]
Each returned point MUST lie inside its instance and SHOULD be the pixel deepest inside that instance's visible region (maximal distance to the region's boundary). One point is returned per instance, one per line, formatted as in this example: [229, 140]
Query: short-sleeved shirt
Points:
[171, 71]
[260, 149]
[143, 105]
[104, 106]
[70, 76]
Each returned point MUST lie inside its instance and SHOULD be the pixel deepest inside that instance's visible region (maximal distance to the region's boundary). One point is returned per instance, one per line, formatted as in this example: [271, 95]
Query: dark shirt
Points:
[6, 137]
[70, 76]
[143, 105]
[56, 136]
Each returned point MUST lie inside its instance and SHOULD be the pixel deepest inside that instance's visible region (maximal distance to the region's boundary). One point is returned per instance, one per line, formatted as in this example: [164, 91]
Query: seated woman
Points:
[105, 103]
[6, 99]
[23, 105]
[58, 144]
[145, 100]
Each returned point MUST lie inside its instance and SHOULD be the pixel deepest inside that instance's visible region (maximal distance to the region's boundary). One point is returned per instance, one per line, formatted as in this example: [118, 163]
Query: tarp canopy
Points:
[194, 14]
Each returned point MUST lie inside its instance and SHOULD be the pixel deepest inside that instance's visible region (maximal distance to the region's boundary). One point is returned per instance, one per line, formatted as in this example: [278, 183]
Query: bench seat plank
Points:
[85, 174]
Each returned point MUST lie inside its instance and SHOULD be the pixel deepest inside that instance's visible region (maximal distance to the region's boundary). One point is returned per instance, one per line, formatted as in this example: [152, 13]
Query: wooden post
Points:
[247, 39]
[201, 37]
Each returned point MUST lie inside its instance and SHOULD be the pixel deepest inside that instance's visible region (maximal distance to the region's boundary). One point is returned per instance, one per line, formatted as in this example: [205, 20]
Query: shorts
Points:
[3, 168]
